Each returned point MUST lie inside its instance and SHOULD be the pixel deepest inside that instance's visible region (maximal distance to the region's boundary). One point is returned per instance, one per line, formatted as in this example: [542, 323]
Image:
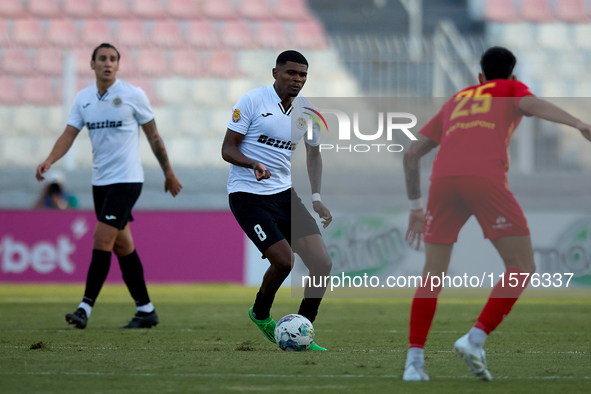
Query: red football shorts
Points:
[452, 200]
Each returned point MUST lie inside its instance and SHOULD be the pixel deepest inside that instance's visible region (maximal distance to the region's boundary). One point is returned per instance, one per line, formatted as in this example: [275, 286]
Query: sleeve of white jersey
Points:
[142, 110]
[242, 114]
[75, 119]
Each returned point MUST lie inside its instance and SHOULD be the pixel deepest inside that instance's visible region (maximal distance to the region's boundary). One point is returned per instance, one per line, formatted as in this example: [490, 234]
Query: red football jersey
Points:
[474, 127]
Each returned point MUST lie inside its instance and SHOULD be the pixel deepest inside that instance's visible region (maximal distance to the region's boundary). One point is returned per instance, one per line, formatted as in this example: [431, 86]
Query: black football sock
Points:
[97, 273]
[308, 310]
[262, 306]
[133, 276]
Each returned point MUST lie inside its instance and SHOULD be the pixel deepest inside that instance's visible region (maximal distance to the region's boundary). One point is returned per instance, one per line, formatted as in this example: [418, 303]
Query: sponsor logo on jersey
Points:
[110, 217]
[236, 116]
[301, 123]
[85, 105]
[501, 224]
[117, 102]
[264, 139]
[267, 114]
[107, 124]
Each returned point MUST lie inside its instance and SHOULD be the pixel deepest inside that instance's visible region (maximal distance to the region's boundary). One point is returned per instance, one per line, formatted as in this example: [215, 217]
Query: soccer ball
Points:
[294, 332]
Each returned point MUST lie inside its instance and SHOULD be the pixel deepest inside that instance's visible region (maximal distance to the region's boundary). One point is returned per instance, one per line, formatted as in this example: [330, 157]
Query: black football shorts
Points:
[267, 219]
[113, 203]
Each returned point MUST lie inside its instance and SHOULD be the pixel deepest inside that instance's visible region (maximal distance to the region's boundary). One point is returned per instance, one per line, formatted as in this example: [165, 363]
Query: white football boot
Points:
[412, 373]
[473, 357]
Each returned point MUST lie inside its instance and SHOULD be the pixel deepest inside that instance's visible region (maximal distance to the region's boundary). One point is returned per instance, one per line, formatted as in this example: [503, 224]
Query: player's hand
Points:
[261, 172]
[172, 185]
[323, 212]
[585, 130]
[42, 169]
[416, 224]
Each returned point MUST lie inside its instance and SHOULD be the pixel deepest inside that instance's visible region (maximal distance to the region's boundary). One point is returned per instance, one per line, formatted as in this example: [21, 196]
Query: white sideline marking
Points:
[254, 375]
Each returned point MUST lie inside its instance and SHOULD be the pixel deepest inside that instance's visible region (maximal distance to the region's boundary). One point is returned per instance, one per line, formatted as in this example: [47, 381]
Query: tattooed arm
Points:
[171, 183]
[412, 174]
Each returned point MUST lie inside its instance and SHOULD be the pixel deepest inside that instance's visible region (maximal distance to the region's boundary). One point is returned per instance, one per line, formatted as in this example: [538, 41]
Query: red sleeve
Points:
[519, 90]
[433, 129]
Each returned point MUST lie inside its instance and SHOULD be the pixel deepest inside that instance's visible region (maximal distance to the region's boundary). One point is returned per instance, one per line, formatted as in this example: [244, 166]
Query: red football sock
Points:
[501, 300]
[422, 312]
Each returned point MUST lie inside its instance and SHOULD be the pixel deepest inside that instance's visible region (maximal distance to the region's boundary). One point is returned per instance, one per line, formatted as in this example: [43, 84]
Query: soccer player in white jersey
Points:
[112, 111]
[266, 125]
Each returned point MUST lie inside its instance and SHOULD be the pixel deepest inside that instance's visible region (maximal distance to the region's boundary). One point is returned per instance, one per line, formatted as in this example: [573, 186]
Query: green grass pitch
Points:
[206, 343]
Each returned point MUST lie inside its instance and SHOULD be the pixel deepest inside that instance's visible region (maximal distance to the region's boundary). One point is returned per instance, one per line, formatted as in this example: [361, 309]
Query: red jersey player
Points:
[469, 177]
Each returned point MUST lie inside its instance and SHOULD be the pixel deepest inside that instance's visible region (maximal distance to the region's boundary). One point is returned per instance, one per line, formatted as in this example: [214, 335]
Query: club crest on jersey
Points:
[236, 116]
[117, 102]
[301, 123]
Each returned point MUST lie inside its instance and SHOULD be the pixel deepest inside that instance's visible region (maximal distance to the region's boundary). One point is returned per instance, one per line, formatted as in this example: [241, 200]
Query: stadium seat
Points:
[501, 11]
[11, 9]
[44, 8]
[167, 34]
[148, 9]
[222, 64]
[537, 11]
[554, 36]
[292, 10]
[127, 64]
[572, 11]
[236, 35]
[202, 35]
[38, 91]
[271, 35]
[219, 9]
[4, 38]
[152, 63]
[147, 86]
[131, 33]
[187, 64]
[79, 8]
[309, 35]
[518, 35]
[257, 10]
[116, 9]
[27, 32]
[83, 58]
[583, 36]
[49, 62]
[183, 9]
[62, 32]
[16, 61]
[95, 32]
[9, 92]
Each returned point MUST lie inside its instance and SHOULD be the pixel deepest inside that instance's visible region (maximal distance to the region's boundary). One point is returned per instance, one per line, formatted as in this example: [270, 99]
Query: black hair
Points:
[54, 188]
[290, 56]
[105, 45]
[497, 63]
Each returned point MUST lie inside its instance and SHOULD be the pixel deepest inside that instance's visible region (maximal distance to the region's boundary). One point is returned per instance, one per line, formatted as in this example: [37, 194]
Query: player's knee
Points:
[103, 240]
[283, 264]
[525, 265]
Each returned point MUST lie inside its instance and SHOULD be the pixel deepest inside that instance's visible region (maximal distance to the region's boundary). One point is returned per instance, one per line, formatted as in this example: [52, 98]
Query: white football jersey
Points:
[271, 134]
[113, 121]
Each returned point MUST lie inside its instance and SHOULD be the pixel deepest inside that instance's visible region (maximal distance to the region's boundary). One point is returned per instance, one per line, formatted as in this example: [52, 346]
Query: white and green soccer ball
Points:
[294, 332]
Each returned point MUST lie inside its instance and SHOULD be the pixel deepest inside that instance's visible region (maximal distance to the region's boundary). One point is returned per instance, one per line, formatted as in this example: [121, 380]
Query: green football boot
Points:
[314, 346]
[267, 326]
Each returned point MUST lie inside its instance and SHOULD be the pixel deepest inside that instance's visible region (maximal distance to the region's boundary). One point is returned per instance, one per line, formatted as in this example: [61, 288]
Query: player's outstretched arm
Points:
[171, 183]
[314, 164]
[232, 154]
[412, 174]
[544, 110]
[61, 147]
